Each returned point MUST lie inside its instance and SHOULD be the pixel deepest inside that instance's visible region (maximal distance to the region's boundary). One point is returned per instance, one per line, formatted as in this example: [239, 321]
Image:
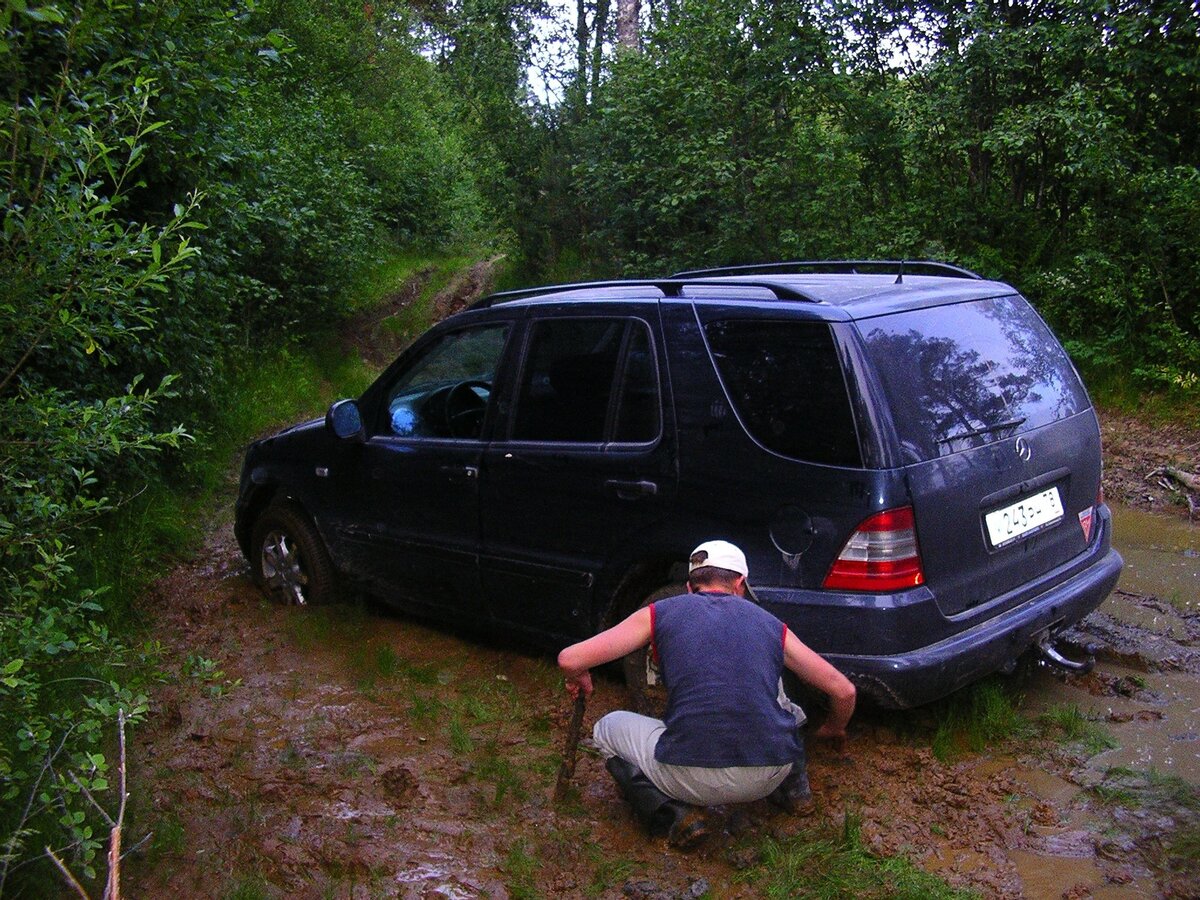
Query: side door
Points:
[581, 465]
[414, 537]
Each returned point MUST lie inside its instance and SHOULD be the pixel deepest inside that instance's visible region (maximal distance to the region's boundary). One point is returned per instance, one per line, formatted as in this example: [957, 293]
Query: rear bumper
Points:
[930, 673]
[902, 651]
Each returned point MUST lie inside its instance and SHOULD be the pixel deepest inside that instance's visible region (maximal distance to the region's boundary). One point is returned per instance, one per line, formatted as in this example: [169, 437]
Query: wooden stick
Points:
[1187, 479]
[567, 769]
[66, 873]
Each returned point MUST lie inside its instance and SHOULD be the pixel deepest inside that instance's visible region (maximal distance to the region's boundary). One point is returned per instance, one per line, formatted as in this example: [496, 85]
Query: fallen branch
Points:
[1187, 479]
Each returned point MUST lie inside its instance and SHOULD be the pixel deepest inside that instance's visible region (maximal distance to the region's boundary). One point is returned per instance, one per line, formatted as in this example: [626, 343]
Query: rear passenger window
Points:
[588, 381]
[785, 381]
[967, 374]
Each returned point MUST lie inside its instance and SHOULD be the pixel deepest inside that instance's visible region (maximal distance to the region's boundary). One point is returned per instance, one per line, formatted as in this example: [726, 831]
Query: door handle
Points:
[460, 473]
[631, 490]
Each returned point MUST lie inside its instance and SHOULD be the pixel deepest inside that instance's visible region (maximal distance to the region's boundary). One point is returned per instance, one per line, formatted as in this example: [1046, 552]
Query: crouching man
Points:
[730, 735]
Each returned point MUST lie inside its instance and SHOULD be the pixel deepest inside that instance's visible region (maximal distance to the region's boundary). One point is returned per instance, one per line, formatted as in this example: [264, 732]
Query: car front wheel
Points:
[290, 561]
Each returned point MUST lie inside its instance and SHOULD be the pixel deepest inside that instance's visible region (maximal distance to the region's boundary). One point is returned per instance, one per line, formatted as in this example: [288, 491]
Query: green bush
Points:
[181, 182]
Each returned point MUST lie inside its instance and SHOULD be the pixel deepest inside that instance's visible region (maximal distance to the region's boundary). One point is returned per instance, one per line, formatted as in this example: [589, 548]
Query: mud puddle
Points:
[1135, 782]
[349, 752]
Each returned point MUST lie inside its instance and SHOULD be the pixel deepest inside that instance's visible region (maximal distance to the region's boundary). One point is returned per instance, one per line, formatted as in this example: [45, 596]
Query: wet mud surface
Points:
[352, 752]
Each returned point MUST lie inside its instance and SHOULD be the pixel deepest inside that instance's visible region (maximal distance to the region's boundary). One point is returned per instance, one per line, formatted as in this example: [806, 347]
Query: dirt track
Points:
[350, 752]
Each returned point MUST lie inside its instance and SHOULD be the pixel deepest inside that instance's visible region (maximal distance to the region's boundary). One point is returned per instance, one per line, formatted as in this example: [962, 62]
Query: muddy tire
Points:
[290, 561]
[647, 694]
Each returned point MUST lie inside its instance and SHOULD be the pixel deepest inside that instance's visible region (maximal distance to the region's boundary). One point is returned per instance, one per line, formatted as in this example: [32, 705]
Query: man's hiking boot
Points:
[684, 826]
[794, 794]
[690, 828]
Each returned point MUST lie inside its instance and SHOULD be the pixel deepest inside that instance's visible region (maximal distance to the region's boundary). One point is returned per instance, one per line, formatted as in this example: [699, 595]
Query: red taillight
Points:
[881, 555]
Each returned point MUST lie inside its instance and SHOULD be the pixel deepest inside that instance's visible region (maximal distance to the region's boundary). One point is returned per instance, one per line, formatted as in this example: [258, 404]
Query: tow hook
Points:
[1049, 653]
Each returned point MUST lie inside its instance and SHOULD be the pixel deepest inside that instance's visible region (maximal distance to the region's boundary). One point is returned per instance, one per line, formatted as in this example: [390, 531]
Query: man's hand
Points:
[831, 731]
[836, 736]
[577, 683]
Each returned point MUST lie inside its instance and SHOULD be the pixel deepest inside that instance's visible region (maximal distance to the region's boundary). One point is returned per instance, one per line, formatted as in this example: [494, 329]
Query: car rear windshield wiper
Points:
[989, 429]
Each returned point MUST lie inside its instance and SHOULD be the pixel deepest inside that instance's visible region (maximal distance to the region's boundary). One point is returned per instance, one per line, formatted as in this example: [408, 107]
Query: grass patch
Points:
[461, 741]
[1184, 849]
[351, 763]
[496, 768]
[423, 708]
[1178, 850]
[818, 864]
[607, 872]
[248, 887]
[169, 836]
[521, 869]
[1072, 726]
[418, 313]
[1131, 788]
[976, 717]
[1114, 390]
[314, 627]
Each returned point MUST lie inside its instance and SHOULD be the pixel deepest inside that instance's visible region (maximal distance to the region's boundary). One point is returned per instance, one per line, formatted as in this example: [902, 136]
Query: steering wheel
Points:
[463, 408]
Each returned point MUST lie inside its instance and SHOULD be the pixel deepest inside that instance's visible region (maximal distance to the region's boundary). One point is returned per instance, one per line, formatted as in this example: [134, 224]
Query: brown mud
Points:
[352, 752]
[1135, 454]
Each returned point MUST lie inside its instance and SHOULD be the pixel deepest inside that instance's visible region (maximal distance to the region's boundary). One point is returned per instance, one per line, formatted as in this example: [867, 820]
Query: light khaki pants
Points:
[633, 737]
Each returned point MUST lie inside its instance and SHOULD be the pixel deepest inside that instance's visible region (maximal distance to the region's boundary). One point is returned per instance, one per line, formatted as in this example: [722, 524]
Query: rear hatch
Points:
[999, 443]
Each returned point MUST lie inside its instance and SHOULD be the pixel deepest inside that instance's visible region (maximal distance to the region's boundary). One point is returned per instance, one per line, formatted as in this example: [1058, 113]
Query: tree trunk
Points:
[628, 13]
[581, 42]
[599, 27]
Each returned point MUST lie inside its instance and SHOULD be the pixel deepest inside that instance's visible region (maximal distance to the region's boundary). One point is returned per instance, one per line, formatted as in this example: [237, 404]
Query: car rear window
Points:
[967, 374]
[785, 381]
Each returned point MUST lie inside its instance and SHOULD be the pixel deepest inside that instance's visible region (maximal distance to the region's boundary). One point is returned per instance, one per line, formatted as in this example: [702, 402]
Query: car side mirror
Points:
[345, 421]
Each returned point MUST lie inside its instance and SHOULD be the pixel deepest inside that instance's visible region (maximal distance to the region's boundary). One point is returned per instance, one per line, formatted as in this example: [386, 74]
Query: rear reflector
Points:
[881, 555]
[1086, 518]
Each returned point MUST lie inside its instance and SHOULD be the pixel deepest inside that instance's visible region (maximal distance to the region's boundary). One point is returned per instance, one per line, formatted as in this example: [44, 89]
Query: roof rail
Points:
[849, 266]
[670, 287]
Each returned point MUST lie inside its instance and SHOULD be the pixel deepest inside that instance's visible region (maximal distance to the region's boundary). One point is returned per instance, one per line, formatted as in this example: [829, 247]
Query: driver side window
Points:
[445, 392]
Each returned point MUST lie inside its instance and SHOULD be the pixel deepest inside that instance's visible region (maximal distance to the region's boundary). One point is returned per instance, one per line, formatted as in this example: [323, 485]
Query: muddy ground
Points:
[353, 752]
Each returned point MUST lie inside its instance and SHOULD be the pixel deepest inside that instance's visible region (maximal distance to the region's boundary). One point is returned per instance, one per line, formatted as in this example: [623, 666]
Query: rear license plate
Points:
[1024, 517]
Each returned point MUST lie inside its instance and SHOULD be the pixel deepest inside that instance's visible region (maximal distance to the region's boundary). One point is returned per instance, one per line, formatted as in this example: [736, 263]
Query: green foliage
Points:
[81, 284]
[718, 145]
[1053, 147]
[179, 182]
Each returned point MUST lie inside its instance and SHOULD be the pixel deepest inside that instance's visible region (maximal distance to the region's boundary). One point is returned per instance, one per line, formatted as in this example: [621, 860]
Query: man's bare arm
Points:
[610, 644]
[813, 669]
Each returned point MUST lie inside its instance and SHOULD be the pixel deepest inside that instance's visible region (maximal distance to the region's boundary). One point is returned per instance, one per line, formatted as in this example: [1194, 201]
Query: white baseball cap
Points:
[720, 554]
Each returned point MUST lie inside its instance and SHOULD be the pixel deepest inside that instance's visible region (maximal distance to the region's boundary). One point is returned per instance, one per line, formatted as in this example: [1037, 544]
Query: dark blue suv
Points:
[903, 450]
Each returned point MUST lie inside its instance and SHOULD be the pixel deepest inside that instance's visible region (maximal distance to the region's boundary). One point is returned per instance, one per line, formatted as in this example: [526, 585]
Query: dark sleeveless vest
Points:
[721, 657]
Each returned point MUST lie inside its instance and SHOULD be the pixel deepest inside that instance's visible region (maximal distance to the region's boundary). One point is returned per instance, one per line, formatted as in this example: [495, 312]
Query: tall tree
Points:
[628, 24]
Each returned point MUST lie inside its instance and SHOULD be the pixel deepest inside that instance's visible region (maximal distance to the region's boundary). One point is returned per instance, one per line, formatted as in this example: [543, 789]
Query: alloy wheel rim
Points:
[283, 567]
